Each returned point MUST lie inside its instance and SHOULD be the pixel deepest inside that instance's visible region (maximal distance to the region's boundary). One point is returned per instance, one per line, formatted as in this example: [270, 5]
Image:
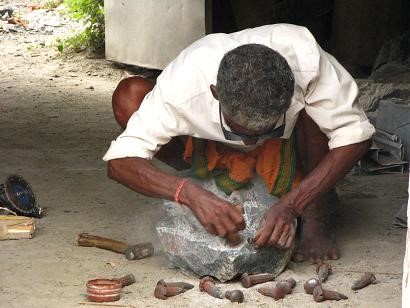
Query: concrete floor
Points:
[54, 131]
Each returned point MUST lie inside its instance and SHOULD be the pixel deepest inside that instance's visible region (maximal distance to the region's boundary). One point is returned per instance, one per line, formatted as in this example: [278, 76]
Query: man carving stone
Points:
[240, 100]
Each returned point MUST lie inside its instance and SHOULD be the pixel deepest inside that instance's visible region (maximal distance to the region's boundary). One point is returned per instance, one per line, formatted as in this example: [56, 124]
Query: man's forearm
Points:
[331, 169]
[218, 216]
[142, 176]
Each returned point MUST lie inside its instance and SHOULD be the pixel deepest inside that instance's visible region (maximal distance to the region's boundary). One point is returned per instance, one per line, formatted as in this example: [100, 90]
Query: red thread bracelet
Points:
[179, 189]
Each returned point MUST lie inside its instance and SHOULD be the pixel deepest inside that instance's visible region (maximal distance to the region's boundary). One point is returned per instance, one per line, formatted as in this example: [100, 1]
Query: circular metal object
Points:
[103, 290]
[310, 285]
[17, 195]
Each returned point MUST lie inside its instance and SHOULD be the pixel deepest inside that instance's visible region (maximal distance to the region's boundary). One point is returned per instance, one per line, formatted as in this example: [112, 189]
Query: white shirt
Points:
[181, 103]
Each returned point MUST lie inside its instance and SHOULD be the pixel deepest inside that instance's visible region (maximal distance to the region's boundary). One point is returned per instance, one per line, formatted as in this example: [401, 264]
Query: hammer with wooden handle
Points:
[131, 252]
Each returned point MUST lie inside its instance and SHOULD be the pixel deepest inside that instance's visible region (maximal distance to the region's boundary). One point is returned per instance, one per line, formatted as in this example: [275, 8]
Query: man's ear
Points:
[213, 90]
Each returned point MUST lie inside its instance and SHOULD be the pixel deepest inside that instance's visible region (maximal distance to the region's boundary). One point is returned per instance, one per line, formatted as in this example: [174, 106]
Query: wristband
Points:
[179, 189]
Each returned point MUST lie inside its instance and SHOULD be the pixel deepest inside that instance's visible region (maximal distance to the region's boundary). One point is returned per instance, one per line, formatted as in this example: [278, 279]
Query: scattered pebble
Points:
[112, 264]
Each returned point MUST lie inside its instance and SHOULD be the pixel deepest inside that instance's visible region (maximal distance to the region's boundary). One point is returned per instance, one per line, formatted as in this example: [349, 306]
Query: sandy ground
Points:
[56, 124]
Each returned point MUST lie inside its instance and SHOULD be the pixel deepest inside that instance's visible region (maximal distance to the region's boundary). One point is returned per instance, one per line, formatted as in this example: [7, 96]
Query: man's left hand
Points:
[278, 227]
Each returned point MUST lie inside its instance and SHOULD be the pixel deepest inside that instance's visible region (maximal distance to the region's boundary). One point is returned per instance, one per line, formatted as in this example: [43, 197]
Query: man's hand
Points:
[278, 227]
[219, 217]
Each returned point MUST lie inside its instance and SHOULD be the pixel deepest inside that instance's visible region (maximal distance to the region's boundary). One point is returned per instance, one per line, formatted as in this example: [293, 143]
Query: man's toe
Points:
[333, 254]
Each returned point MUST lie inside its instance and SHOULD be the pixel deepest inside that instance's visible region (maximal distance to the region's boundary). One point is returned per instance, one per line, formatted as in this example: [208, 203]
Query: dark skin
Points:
[279, 227]
[217, 215]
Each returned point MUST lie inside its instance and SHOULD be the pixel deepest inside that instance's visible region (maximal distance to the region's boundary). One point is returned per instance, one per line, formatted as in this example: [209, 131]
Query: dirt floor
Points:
[55, 126]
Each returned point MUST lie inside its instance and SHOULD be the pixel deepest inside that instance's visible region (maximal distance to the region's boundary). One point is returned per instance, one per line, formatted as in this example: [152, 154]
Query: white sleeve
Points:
[150, 127]
[330, 102]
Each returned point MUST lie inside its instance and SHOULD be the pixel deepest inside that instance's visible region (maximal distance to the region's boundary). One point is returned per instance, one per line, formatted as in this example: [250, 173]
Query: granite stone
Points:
[195, 251]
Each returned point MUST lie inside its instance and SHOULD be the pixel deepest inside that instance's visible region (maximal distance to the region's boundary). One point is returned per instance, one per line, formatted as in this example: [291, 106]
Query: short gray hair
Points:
[254, 85]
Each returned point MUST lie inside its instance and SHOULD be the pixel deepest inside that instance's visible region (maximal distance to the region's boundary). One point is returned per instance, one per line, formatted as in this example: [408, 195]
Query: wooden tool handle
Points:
[88, 240]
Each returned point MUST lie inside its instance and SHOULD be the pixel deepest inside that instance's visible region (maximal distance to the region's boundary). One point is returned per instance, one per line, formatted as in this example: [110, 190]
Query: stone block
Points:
[195, 251]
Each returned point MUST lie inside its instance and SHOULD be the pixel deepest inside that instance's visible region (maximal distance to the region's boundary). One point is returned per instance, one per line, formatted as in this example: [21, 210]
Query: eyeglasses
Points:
[276, 133]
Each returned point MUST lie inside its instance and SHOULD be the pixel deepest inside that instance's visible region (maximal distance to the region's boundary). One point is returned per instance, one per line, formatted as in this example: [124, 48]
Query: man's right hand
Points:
[219, 217]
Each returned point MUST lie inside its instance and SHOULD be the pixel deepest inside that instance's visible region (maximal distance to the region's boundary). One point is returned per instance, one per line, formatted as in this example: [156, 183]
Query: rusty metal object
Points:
[320, 295]
[103, 290]
[289, 283]
[235, 296]
[276, 293]
[179, 284]
[310, 284]
[139, 251]
[163, 291]
[323, 271]
[207, 284]
[248, 281]
[282, 288]
[126, 280]
[107, 290]
[367, 279]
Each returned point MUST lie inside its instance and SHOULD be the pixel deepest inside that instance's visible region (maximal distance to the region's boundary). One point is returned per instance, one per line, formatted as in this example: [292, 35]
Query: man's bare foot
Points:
[315, 243]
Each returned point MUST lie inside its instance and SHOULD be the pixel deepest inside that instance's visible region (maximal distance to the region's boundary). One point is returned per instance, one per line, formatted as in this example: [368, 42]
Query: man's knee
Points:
[128, 96]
